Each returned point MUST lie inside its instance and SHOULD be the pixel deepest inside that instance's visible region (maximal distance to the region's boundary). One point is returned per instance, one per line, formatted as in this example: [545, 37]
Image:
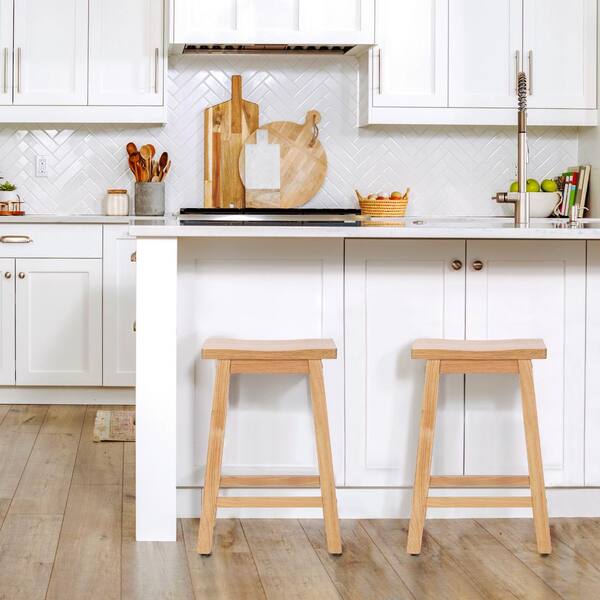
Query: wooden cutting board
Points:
[226, 126]
[303, 159]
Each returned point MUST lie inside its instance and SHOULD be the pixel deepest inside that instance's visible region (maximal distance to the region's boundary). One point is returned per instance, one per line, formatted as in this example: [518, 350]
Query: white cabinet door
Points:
[592, 372]
[267, 22]
[6, 49]
[559, 42]
[126, 52]
[485, 40]
[51, 52]
[118, 296]
[410, 63]
[398, 291]
[59, 321]
[528, 289]
[7, 321]
[258, 289]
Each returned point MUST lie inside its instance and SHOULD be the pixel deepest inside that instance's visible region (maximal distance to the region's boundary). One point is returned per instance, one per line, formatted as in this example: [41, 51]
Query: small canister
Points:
[116, 203]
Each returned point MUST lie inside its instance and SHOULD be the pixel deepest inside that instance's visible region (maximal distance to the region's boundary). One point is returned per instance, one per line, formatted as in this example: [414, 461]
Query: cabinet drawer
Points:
[23, 240]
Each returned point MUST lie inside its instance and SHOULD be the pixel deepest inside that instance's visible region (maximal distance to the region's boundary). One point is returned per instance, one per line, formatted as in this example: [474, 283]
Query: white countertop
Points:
[75, 219]
[410, 227]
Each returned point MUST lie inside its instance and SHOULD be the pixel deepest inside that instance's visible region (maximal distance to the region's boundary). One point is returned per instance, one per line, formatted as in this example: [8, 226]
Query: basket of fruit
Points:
[393, 205]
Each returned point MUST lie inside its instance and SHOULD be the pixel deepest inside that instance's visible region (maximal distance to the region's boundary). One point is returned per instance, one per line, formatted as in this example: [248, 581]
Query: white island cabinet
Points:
[528, 289]
[7, 321]
[398, 291]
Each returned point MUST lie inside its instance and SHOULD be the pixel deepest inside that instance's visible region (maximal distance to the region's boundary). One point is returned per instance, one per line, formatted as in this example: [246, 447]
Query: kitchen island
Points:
[373, 290]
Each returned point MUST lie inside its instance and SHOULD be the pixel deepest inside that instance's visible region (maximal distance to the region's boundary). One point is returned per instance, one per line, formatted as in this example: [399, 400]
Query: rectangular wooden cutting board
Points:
[226, 127]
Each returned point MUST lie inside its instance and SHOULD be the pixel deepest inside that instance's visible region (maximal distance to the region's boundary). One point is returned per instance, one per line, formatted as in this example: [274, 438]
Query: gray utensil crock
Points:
[150, 199]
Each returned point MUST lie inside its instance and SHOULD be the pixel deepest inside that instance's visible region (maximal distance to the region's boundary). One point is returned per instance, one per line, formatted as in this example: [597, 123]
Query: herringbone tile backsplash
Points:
[451, 170]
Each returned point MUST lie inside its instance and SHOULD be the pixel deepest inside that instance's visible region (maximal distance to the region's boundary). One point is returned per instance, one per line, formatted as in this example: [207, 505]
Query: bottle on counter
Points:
[116, 203]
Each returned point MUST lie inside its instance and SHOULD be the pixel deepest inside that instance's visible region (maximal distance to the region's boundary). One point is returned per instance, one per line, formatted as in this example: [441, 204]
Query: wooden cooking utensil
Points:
[146, 154]
[162, 162]
[131, 148]
[226, 126]
[303, 159]
[166, 170]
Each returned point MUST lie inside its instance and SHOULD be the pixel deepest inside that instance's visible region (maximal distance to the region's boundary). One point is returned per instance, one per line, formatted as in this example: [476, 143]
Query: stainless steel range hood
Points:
[299, 49]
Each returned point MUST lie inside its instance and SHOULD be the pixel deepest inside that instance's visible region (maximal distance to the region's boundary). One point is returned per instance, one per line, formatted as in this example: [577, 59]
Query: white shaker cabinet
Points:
[6, 51]
[398, 291]
[559, 43]
[126, 52]
[118, 307]
[527, 289]
[485, 50]
[50, 52]
[410, 60]
[346, 22]
[59, 322]
[7, 321]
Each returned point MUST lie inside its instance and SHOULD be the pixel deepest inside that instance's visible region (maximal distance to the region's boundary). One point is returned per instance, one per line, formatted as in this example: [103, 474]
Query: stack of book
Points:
[573, 185]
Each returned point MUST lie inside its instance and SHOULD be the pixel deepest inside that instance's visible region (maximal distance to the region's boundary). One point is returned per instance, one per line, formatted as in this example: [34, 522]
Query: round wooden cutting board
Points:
[303, 159]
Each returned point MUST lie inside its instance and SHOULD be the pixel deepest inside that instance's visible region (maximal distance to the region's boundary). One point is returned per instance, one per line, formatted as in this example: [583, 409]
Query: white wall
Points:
[452, 171]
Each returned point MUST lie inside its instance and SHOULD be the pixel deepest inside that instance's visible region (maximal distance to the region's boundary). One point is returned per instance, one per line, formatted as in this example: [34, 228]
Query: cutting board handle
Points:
[313, 118]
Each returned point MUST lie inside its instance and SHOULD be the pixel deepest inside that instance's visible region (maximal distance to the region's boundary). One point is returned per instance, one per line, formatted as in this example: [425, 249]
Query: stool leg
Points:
[534, 458]
[424, 453]
[319, 407]
[214, 457]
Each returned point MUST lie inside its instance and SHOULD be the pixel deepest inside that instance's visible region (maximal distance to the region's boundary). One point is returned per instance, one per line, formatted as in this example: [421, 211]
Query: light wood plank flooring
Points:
[67, 530]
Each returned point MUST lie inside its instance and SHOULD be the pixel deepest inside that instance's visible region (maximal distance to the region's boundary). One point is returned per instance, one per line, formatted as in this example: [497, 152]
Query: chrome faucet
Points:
[520, 198]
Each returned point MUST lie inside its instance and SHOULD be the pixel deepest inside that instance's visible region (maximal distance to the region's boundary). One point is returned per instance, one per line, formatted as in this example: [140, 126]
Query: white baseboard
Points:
[394, 503]
[66, 395]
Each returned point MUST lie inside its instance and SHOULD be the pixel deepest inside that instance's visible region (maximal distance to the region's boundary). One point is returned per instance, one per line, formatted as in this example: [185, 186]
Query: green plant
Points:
[7, 186]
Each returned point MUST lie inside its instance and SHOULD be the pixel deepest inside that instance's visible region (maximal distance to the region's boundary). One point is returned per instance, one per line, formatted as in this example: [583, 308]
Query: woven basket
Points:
[391, 207]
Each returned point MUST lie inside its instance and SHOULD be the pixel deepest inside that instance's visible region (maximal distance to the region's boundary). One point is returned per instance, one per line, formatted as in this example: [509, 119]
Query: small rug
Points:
[114, 426]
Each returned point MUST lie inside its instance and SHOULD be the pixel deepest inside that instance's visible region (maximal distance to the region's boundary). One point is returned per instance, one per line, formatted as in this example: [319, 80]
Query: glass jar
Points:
[116, 203]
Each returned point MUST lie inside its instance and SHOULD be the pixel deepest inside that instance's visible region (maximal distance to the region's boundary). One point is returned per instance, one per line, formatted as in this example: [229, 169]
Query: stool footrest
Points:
[479, 481]
[270, 481]
[270, 502]
[479, 501]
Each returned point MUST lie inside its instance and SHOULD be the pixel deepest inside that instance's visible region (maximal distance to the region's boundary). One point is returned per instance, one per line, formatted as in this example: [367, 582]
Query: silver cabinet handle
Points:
[530, 78]
[18, 70]
[477, 265]
[5, 72]
[15, 239]
[156, 57]
[379, 72]
[456, 265]
[7, 275]
[21, 275]
[517, 70]
[134, 326]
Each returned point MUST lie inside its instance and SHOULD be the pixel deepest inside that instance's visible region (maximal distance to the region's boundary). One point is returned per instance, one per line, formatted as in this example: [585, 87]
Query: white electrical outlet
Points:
[41, 166]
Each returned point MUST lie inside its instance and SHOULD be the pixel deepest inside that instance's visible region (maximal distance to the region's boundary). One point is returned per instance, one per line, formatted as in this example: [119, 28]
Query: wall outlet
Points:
[41, 166]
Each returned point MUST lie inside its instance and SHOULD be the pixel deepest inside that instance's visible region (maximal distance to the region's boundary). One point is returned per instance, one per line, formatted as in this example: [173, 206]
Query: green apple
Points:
[533, 185]
[514, 186]
[549, 185]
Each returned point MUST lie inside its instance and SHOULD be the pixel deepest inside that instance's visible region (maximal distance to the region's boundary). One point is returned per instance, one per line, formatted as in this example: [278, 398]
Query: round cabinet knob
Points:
[7, 275]
[456, 265]
[21, 275]
[477, 265]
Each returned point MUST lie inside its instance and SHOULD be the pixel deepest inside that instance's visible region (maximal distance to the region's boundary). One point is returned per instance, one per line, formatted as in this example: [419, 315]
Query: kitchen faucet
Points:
[520, 198]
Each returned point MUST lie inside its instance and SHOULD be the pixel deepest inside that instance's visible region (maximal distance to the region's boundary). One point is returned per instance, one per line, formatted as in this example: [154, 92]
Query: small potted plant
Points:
[8, 192]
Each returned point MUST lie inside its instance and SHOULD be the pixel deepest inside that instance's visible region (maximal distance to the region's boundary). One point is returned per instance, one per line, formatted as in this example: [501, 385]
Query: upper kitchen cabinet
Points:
[559, 52]
[206, 22]
[6, 46]
[410, 61]
[126, 61]
[82, 61]
[463, 56]
[50, 52]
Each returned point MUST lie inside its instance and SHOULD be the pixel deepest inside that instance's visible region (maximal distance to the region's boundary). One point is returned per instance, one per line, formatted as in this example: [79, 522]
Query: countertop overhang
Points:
[408, 228]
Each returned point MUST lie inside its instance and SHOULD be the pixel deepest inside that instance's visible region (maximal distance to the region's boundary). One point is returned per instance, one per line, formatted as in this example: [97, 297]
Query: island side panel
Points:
[156, 389]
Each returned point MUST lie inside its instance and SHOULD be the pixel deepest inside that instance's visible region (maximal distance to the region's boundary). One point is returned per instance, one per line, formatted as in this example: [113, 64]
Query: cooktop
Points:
[324, 217]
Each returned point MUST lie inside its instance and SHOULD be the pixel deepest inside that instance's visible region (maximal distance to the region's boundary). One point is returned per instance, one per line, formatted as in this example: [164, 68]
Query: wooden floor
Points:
[67, 515]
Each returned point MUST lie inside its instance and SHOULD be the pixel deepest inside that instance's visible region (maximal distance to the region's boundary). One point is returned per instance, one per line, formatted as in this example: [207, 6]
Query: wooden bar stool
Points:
[505, 356]
[285, 356]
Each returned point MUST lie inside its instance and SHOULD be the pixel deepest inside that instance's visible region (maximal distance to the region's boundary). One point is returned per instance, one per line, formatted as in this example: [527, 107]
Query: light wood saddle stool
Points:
[285, 356]
[505, 356]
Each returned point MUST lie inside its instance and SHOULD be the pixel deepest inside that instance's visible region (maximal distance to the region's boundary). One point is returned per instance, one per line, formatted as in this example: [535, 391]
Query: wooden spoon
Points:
[131, 148]
[164, 173]
[162, 162]
[135, 158]
[146, 154]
